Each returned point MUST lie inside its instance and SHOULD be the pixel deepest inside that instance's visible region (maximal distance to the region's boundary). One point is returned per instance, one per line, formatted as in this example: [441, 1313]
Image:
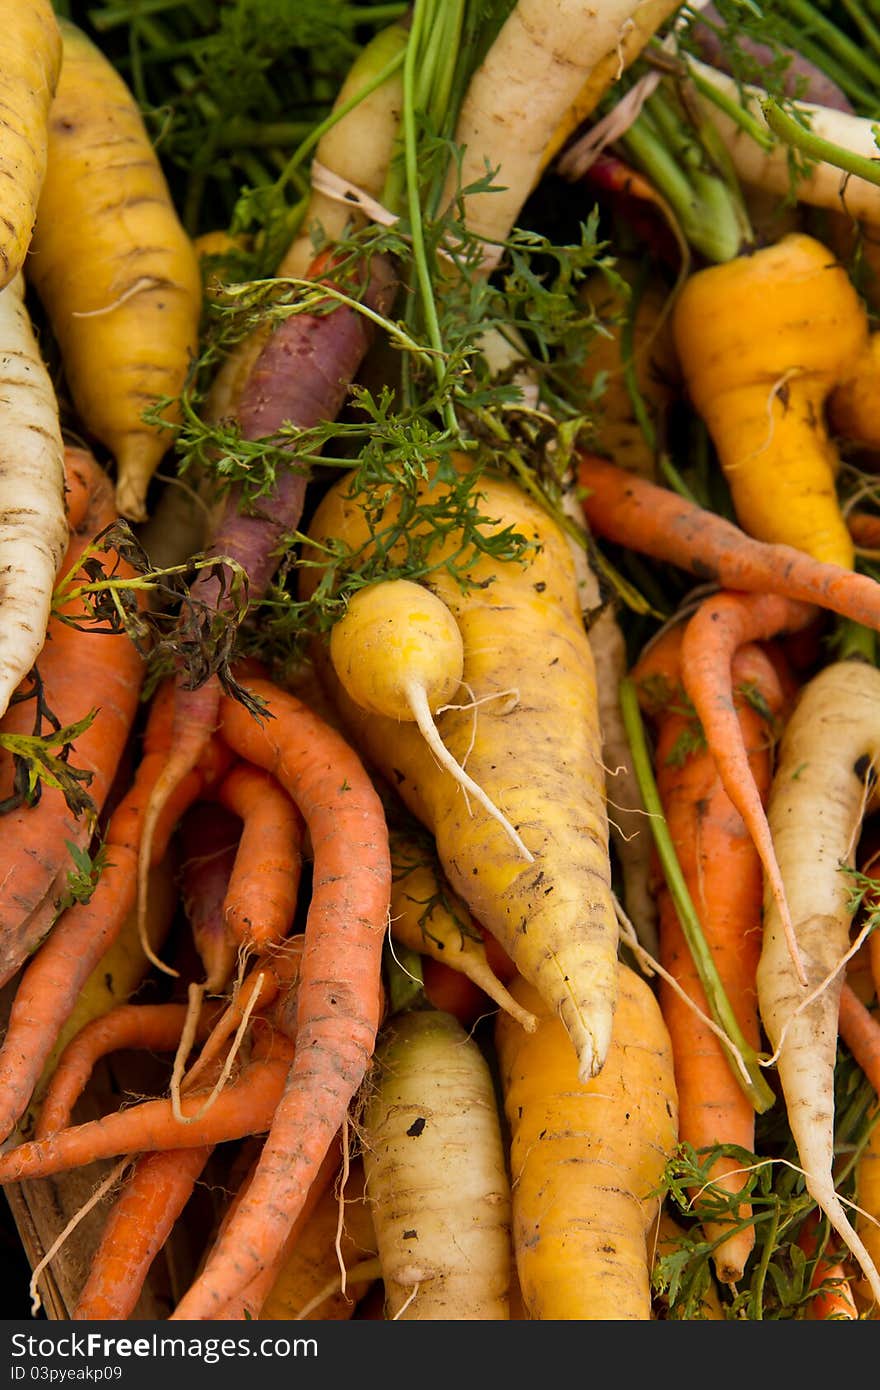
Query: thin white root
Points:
[195, 996]
[100, 1192]
[418, 703]
[227, 1065]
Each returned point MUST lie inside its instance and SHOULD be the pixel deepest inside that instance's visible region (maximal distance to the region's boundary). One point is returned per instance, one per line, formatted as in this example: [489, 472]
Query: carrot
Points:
[760, 381]
[299, 377]
[208, 836]
[712, 635]
[818, 183]
[398, 652]
[32, 63]
[829, 1284]
[340, 996]
[860, 1030]
[263, 887]
[655, 521]
[340, 1228]
[78, 670]
[245, 1106]
[249, 1302]
[124, 302]
[817, 799]
[722, 871]
[864, 527]
[435, 1174]
[117, 975]
[156, 1027]
[33, 527]
[586, 1156]
[137, 1226]
[428, 917]
[50, 985]
[548, 56]
[529, 665]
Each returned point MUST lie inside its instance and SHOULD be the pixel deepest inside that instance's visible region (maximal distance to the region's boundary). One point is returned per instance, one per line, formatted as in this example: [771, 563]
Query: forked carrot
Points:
[722, 871]
[720, 626]
[245, 1106]
[50, 985]
[655, 521]
[340, 994]
[156, 1027]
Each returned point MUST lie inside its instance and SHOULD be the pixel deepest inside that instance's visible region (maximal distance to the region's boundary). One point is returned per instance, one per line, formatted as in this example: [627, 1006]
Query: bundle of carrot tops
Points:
[439, 681]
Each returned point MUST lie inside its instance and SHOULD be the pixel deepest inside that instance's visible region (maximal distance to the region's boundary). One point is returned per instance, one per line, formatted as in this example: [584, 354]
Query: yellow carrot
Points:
[528, 673]
[28, 78]
[762, 341]
[124, 295]
[586, 1158]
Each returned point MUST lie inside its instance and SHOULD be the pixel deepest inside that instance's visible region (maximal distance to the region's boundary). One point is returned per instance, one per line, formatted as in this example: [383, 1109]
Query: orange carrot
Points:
[245, 1106]
[249, 1303]
[719, 627]
[864, 527]
[156, 1027]
[161, 1183]
[723, 874]
[340, 995]
[50, 984]
[829, 1284]
[655, 521]
[78, 671]
[263, 887]
[137, 1226]
[860, 1030]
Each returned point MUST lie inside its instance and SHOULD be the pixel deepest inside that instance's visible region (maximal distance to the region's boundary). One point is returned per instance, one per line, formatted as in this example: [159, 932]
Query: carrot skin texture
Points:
[31, 66]
[722, 871]
[554, 916]
[50, 984]
[435, 1173]
[760, 383]
[584, 1157]
[339, 1001]
[261, 896]
[830, 740]
[153, 1197]
[655, 521]
[124, 303]
[245, 1106]
[154, 1026]
[77, 669]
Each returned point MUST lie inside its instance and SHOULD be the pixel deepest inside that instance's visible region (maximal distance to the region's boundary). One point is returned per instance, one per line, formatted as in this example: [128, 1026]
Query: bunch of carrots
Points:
[439, 689]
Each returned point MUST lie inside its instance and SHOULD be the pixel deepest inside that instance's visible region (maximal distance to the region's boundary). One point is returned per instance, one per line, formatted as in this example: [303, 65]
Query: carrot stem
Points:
[753, 1083]
[791, 132]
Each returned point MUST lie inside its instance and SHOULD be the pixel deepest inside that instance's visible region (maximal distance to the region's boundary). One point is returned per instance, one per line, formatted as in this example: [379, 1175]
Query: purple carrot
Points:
[300, 378]
[802, 79]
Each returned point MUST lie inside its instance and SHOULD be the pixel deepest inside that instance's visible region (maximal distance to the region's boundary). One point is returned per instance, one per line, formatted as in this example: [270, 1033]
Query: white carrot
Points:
[828, 753]
[820, 184]
[33, 523]
[435, 1173]
[524, 90]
